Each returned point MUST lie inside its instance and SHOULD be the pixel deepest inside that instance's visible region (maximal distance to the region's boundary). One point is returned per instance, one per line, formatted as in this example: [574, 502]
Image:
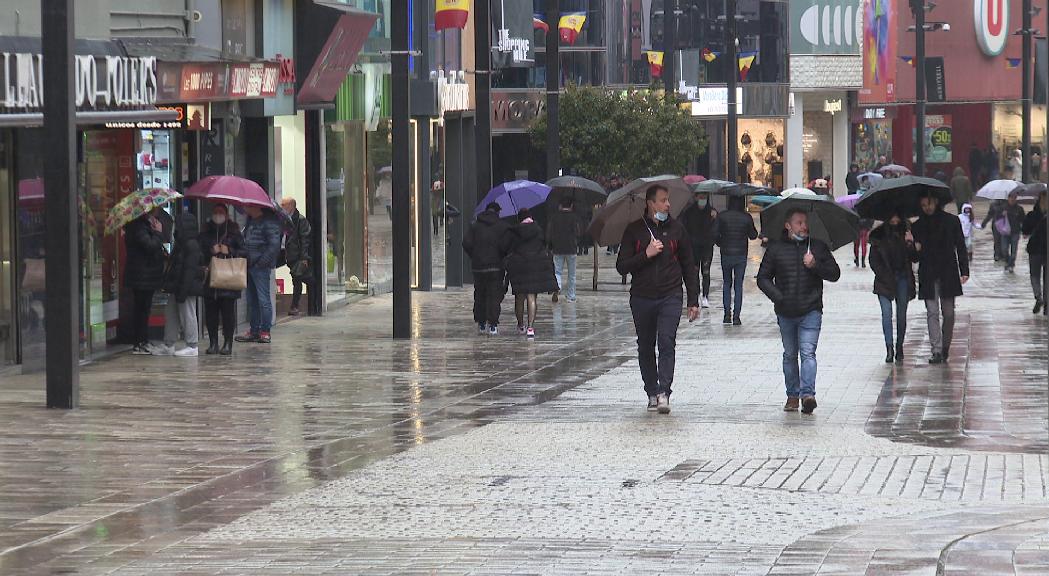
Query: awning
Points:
[344, 30]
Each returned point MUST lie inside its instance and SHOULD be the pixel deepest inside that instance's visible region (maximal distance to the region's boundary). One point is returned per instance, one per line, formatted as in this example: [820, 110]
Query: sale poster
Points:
[937, 139]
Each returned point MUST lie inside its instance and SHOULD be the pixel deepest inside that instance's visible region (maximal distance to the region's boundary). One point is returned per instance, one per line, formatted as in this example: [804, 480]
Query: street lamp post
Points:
[733, 68]
[1025, 133]
[402, 294]
[553, 87]
[669, 43]
[918, 8]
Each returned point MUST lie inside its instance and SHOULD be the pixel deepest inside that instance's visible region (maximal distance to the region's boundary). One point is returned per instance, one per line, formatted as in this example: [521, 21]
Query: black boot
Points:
[888, 354]
[227, 348]
[899, 354]
[213, 347]
[863, 262]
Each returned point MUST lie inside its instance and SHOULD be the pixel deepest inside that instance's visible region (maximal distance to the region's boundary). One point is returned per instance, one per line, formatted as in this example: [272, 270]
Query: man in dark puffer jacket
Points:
[792, 275]
[734, 229]
[485, 244]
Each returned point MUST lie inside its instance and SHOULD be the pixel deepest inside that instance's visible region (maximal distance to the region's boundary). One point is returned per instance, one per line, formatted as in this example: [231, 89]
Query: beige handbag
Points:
[228, 273]
[33, 281]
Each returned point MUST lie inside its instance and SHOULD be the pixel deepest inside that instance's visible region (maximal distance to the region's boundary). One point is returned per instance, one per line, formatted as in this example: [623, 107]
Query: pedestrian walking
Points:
[1034, 227]
[792, 274]
[733, 231]
[1008, 218]
[1015, 165]
[262, 238]
[977, 165]
[485, 243]
[852, 179]
[144, 265]
[530, 269]
[297, 252]
[961, 188]
[656, 252]
[221, 238]
[183, 283]
[859, 245]
[700, 221]
[892, 258]
[562, 234]
[997, 207]
[969, 226]
[943, 267]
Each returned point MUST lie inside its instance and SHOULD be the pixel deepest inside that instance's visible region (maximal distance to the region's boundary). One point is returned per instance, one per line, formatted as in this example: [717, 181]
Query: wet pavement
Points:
[337, 450]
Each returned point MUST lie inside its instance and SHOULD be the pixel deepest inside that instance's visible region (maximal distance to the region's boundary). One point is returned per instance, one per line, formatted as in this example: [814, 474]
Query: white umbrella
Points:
[999, 189]
[792, 191]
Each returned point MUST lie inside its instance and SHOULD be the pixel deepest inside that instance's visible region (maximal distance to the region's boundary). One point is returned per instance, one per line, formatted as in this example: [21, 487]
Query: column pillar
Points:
[793, 171]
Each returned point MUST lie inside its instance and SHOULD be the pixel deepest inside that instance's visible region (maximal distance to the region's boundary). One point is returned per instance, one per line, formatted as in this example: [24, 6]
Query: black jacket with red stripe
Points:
[662, 275]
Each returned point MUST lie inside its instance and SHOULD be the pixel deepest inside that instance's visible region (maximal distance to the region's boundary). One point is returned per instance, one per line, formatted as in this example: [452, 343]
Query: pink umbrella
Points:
[694, 179]
[230, 190]
[849, 201]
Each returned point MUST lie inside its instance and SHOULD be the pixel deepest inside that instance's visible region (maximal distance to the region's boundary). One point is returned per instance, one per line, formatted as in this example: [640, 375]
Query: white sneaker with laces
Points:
[162, 350]
[706, 303]
[187, 352]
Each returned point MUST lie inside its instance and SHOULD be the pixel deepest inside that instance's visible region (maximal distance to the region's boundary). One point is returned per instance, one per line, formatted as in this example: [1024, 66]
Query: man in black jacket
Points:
[297, 252]
[1034, 227]
[943, 266]
[485, 243]
[733, 233]
[792, 275]
[657, 253]
[562, 235]
[699, 220]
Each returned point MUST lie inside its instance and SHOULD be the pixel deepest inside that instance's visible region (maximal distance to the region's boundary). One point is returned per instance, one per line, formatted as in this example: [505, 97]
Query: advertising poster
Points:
[879, 52]
[512, 34]
[826, 26]
[937, 139]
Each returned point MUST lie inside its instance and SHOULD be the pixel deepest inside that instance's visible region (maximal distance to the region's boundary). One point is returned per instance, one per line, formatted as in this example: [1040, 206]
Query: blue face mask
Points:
[798, 237]
[661, 216]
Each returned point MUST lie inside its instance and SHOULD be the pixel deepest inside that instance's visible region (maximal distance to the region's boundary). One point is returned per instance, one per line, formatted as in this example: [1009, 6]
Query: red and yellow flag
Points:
[570, 26]
[746, 60]
[451, 14]
[655, 63]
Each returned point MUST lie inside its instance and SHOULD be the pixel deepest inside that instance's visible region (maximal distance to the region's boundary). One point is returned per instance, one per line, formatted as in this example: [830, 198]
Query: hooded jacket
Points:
[185, 277]
[892, 255]
[943, 256]
[794, 289]
[144, 263]
[961, 187]
[662, 275]
[700, 222]
[528, 263]
[968, 222]
[485, 242]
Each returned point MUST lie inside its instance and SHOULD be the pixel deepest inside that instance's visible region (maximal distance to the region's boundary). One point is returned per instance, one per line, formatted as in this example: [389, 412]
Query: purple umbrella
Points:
[849, 201]
[513, 196]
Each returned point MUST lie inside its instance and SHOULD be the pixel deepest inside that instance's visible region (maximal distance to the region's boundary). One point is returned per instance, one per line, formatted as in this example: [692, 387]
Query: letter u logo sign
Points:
[992, 25]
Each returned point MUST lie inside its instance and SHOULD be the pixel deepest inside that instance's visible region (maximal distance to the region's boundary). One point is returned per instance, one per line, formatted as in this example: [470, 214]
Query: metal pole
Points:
[669, 43]
[402, 281]
[316, 207]
[732, 158]
[1025, 137]
[553, 87]
[62, 262]
[483, 87]
[423, 195]
[918, 7]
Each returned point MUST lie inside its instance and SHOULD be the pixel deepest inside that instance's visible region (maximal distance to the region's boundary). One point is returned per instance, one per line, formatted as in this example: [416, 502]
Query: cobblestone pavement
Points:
[459, 454]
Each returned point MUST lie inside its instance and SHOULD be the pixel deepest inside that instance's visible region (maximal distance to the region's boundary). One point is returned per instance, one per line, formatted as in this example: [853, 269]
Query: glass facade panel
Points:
[8, 353]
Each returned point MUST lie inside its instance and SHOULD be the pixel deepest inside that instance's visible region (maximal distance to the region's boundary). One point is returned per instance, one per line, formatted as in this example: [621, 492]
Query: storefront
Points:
[1006, 126]
[819, 130]
[872, 136]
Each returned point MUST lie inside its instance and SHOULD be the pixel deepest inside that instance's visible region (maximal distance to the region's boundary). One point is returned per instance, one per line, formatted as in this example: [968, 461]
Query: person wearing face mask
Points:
[892, 258]
[943, 267]
[220, 238]
[699, 220]
[792, 274]
[656, 252]
[262, 236]
[733, 231]
[1034, 227]
[143, 272]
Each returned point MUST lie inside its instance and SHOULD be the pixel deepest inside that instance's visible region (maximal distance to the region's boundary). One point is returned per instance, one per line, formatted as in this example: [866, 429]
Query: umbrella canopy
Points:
[828, 220]
[849, 200]
[743, 190]
[627, 205]
[711, 186]
[694, 179]
[230, 190]
[136, 204]
[894, 169]
[999, 189]
[764, 200]
[792, 191]
[1034, 189]
[870, 178]
[580, 190]
[514, 196]
[900, 196]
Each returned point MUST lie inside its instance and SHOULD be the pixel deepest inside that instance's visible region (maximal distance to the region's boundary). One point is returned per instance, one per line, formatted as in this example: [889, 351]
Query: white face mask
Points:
[218, 219]
[661, 216]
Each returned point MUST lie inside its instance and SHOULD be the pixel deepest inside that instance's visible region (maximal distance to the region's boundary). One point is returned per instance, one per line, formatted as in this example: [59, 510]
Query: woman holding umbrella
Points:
[892, 258]
[530, 269]
[143, 272]
[221, 238]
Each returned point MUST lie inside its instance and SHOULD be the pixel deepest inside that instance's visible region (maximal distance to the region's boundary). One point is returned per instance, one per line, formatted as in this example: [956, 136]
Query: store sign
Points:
[286, 74]
[256, 80]
[453, 93]
[873, 113]
[207, 82]
[187, 117]
[513, 35]
[515, 111]
[826, 27]
[100, 82]
[832, 106]
[992, 25]
[714, 101]
[938, 139]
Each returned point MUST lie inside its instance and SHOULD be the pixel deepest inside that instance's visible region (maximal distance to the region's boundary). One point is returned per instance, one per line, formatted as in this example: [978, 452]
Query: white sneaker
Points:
[187, 352]
[663, 404]
[530, 333]
[162, 350]
[706, 303]
[493, 330]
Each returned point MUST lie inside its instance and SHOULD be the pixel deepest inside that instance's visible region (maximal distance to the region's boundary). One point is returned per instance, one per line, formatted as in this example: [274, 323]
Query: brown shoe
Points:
[808, 404]
[792, 404]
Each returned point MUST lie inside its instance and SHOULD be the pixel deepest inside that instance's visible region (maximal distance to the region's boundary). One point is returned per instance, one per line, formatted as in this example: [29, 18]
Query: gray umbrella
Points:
[627, 205]
[579, 189]
[828, 221]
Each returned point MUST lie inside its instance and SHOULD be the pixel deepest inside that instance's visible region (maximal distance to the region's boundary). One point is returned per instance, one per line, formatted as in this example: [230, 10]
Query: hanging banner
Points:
[539, 24]
[570, 26]
[746, 60]
[451, 14]
[513, 32]
[655, 63]
[709, 55]
[879, 52]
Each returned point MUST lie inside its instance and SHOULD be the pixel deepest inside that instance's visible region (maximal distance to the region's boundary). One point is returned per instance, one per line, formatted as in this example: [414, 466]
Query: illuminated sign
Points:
[992, 25]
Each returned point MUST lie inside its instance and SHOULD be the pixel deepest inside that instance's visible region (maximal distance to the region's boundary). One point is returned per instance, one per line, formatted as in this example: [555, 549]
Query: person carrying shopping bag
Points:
[220, 240]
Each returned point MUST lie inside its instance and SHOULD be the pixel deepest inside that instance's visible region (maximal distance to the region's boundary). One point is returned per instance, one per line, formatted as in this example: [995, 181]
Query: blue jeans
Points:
[733, 270]
[902, 293]
[800, 336]
[566, 284]
[260, 307]
[1010, 244]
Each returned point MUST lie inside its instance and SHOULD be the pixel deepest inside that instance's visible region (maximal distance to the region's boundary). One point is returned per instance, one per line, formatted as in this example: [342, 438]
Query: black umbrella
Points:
[900, 196]
[743, 190]
[580, 190]
[828, 221]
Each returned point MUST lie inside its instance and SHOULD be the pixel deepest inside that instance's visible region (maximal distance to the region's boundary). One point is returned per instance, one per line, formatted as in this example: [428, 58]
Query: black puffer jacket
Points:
[485, 242]
[734, 229]
[145, 261]
[562, 232]
[185, 277]
[794, 289]
[1034, 228]
[943, 256]
[529, 265]
[700, 222]
[229, 235]
[892, 255]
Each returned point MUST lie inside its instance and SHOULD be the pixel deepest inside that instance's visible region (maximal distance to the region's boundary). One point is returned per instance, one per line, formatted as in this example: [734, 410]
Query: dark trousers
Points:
[143, 303]
[227, 309]
[656, 323]
[1038, 277]
[296, 294]
[733, 271]
[488, 297]
[704, 255]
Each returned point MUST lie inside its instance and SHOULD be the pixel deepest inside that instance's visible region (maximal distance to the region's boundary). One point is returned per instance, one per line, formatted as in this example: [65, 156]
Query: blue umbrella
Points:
[513, 196]
[764, 200]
